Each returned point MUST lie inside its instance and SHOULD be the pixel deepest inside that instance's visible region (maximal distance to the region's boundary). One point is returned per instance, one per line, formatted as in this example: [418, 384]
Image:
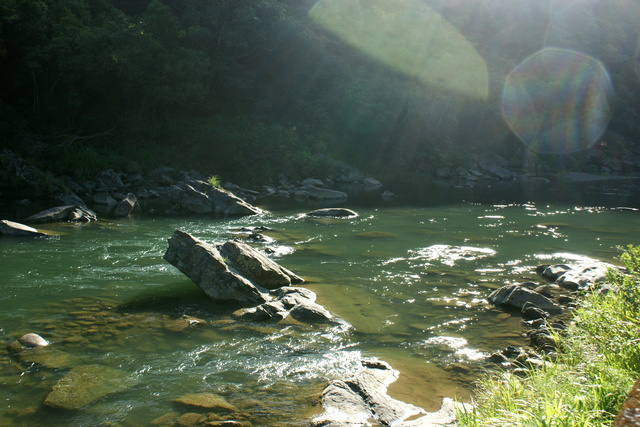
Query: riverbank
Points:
[586, 382]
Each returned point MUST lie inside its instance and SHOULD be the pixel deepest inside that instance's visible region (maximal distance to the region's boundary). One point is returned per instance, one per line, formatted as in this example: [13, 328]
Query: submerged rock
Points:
[204, 265]
[333, 212]
[208, 401]
[85, 384]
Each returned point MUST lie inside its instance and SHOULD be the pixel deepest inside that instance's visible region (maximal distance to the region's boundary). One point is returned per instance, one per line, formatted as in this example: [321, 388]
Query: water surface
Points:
[410, 278]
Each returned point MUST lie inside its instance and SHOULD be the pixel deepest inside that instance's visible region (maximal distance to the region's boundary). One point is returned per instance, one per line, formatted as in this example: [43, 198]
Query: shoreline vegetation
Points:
[586, 381]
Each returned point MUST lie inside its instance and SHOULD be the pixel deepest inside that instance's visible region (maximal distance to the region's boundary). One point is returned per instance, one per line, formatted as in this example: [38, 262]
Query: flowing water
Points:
[410, 278]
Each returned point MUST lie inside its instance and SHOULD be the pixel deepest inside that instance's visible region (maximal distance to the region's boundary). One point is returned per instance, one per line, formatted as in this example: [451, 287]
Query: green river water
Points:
[411, 278]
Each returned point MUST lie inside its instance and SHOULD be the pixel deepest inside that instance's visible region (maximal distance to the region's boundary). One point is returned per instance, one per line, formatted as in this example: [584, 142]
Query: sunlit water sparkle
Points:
[412, 281]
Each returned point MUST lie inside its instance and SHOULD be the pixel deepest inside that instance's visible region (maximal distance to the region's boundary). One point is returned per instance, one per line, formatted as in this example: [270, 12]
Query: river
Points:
[411, 276]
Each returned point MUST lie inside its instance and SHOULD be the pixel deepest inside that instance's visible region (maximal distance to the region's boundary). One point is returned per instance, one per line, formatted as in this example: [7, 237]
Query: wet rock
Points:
[552, 272]
[311, 312]
[516, 296]
[532, 312]
[274, 311]
[291, 296]
[356, 401]
[207, 401]
[166, 419]
[333, 212]
[85, 384]
[73, 213]
[204, 265]
[15, 229]
[190, 419]
[33, 340]
[257, 267]
[183, 323]
[47, 357]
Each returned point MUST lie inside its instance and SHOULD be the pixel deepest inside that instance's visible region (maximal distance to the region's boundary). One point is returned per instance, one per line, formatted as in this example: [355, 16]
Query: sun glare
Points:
[409, 37]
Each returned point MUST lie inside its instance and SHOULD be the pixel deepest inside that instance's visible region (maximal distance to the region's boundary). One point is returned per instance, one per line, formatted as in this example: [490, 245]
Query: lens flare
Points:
[410, 37]
[558, 100]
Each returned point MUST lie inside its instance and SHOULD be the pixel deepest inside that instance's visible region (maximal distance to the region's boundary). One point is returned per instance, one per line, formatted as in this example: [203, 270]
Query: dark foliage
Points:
[256, 88]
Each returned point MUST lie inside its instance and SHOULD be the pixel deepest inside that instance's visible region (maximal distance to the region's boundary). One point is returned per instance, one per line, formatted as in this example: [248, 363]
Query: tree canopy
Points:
[254, 89]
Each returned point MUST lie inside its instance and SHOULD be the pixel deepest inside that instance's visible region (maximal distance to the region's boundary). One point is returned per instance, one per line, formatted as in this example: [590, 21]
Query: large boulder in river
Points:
[226, 203]
[72, 213]
[203, 264]
[257, 267]
[516, 296]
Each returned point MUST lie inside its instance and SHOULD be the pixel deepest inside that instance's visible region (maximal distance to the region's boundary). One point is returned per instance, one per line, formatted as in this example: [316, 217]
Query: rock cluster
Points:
[538, 303]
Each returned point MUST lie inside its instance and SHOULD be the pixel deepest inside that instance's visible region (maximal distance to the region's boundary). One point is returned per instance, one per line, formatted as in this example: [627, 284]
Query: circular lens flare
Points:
[557, 100]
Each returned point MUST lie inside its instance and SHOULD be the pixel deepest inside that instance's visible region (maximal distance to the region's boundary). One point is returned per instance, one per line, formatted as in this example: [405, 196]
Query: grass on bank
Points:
[589, 379]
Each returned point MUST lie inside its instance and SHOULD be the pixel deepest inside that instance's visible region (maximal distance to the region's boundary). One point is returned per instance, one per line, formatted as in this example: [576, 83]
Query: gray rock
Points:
[274, 311]
[333, 212]
[226, 203]
[257, 267]
[356, 401]
[583, 277]
[552, 272]
[127, 206]
[204, 265]
[311, 312]
[73, 213]
[516, 296]
[533, 312]
[15, 229]
[496, 168]
[317, 193]
[371, 183]
[104, 199]
[192, 200]
[313, 182]
[291, 295]
[110, 180]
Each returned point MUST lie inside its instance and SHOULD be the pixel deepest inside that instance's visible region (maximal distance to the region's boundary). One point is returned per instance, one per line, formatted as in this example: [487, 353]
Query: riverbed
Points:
[411, 277]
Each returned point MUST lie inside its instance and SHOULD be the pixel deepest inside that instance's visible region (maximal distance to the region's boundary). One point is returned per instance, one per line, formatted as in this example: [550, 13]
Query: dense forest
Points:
[250, 89]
